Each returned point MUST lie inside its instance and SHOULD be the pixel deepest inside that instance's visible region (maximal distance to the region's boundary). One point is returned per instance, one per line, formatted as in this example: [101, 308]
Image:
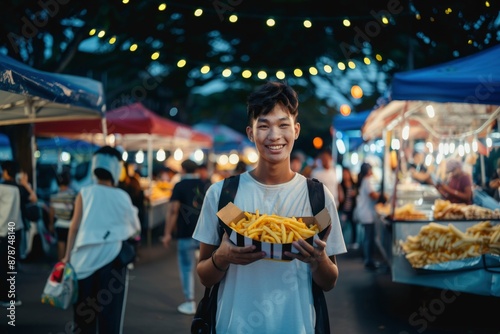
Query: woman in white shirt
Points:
[365, 211]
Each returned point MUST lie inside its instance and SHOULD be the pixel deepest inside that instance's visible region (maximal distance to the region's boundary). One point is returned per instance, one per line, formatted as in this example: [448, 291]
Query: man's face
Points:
[274, 135]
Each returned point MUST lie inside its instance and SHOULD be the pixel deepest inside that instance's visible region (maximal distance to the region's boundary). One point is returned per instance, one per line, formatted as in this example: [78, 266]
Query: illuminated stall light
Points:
[125, 156]
[406, 132]
[178, 154]
[395, 145]
[429, 146]
[223, 160]
[198, 155]
[489, 142]
[37, 154]
[65, 156]
[354, 159]
[161, 155]
[428, 159]
[446, 149]
[467, 148]
[340, 146]
[430, 111]
[441, 148]
[252, 157]
[475, 145]
[439, 158]
[461, 150]
[139, 157]
[234, 158]
[452, 147]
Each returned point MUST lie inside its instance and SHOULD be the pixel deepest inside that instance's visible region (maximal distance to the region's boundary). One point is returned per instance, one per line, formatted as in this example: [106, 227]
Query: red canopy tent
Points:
[133, 126]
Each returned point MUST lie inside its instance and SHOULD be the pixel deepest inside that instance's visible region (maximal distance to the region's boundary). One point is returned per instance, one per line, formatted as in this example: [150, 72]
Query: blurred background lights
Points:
[178, 154]
[356, 92]
[161, 155]
[139, 157]
[198, 155]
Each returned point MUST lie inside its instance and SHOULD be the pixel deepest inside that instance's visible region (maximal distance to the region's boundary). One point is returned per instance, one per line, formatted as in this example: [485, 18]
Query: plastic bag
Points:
[61, 289]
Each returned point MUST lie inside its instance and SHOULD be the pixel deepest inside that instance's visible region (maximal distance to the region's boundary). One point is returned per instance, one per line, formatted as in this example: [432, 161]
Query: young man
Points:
[262, 296]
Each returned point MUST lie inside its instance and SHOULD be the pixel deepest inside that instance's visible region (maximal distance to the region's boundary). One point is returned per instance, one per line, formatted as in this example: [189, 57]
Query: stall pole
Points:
[150, 178]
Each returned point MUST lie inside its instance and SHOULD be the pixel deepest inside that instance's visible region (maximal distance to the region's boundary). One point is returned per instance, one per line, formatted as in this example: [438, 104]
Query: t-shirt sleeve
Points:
[207, 230]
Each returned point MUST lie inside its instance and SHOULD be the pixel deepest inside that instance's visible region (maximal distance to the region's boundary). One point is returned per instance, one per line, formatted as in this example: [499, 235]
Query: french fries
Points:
[437, 243]
[273, 228]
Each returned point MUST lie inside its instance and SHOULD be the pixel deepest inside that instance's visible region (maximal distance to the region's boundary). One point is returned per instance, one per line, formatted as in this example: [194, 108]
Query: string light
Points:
[275, 20]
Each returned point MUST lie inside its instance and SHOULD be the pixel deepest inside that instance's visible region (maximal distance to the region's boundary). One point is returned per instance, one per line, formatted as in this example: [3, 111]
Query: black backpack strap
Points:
[317, 201]
[228, 193]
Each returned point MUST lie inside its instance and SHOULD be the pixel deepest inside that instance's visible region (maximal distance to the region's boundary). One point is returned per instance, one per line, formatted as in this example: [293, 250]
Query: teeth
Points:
[277, 147]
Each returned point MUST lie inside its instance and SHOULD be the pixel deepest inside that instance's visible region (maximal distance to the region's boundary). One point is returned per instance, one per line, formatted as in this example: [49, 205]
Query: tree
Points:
[378, 37]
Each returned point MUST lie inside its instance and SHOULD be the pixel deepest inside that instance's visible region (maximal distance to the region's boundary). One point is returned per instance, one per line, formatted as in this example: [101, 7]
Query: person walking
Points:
[327, 174]
[365, 212]
[347, 198]
[182, 215]
[61, 210]
[103, 219]
[262, 296]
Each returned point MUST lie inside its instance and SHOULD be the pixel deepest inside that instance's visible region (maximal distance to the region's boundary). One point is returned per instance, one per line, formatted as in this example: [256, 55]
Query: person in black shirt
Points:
[182, 215]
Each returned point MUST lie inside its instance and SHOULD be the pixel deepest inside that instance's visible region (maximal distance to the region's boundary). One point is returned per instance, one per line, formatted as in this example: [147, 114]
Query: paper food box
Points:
[275, 251]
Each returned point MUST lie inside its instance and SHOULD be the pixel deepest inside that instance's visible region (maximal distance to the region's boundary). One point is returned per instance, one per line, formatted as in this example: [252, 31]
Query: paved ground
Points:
[362, 302]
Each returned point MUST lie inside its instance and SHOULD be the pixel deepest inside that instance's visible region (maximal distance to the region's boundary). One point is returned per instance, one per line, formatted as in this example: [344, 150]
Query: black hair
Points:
[64, 178]
[189, 166]
[109, 151]
[263, 100]
[363, 172]
[11, 167]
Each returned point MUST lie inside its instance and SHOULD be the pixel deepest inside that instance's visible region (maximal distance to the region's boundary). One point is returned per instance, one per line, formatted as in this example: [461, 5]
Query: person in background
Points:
[365, 212]
[61, 210]
[12, 175]
[10, 222]
[278, 293]
[204, 175]
[327, 173]
[458, 189]
[103, 219]
[296, 161]
[182, 215]
[241, 167]
[130, 182]
[417, 168]
[347, 203]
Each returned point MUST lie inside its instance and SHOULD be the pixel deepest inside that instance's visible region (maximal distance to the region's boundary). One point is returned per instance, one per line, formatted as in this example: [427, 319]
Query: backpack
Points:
[317, 202]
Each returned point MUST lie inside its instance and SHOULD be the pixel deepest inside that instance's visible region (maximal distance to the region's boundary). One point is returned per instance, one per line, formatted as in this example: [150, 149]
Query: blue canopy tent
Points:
[464, 94]
[28, 95]
[456, 102]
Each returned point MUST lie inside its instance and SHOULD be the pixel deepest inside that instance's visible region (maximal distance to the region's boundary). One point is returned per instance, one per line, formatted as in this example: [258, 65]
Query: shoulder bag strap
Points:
[317, 201]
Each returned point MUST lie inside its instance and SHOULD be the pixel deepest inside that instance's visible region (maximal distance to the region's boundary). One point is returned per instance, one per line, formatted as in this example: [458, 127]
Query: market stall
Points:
[452, 109]
[134, 127]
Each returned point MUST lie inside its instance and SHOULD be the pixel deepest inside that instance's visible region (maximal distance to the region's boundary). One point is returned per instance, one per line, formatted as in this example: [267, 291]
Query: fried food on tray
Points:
[273, 228]
[437, 243]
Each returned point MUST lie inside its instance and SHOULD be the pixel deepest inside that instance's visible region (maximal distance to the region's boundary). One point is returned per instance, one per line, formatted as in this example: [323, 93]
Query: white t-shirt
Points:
[329, 179]
[365, 205]
[266, 296]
